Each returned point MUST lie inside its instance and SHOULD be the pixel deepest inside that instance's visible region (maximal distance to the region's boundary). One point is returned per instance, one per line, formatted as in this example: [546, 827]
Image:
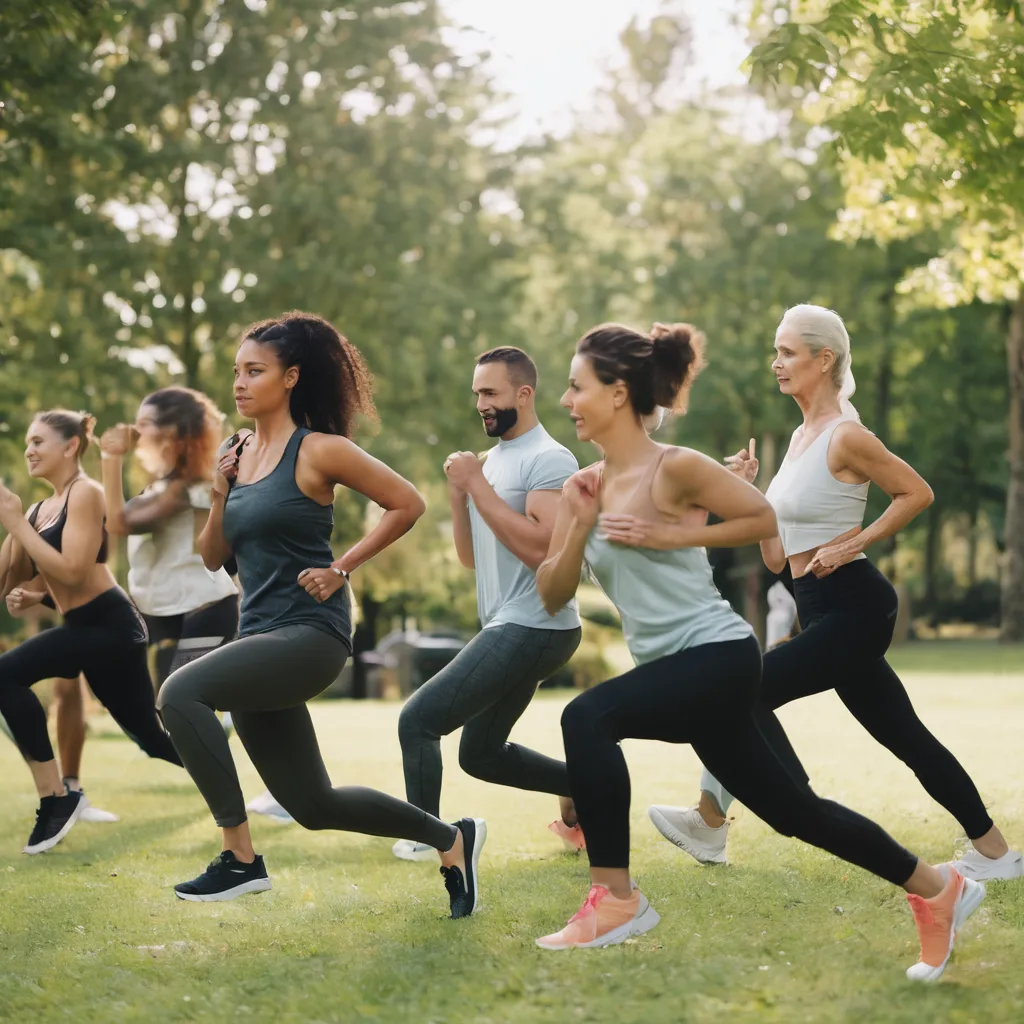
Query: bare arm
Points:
[687, 479]
[142, 513]
[213, 546]
[20, 599]
[340, 461]
[773, 555]
[859, 451]
[527, 536]
[83, 535]
[461, 530]
[14, 565]
[558, 576]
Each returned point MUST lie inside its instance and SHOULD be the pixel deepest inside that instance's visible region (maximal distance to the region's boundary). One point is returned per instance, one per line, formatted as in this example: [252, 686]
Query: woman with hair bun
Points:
[698, 665]
[303, 385]
[847, 608]
[63, 542]
[189, 610]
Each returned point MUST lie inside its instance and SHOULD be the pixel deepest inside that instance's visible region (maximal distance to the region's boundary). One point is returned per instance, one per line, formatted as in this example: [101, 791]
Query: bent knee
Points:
[480, 764]
[579, 715]
[413, 728]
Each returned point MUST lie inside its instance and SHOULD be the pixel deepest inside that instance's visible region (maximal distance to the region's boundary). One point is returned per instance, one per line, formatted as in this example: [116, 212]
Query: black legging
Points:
[705, 696]
[179, 639]
[847, 621]
[105, 640]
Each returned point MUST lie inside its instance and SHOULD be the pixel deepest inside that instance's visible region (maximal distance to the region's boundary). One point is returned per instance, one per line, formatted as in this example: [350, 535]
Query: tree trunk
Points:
[1012, 626]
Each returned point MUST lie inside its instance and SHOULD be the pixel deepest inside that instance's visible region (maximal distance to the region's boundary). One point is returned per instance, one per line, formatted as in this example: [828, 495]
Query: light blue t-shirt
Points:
[506, 589]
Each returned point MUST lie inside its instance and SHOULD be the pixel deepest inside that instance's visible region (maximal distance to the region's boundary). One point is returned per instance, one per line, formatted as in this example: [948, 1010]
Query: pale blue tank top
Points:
[667, 599]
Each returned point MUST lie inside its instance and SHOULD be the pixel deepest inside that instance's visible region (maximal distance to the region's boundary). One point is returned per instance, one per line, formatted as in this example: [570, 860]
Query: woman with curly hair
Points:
[303, 385]
[188, 609]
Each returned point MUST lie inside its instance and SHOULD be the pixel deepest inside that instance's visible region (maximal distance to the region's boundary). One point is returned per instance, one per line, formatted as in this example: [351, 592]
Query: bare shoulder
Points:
[681, 463]
[328, 446]
[853, 436]
[86, 494]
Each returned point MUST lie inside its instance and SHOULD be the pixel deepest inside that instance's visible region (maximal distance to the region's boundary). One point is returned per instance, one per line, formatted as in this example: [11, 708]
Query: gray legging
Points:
[265, 681]
[486, 688]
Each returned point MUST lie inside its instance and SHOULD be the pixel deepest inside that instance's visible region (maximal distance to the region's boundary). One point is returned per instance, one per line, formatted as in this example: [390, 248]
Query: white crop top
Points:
[813, 507]
[166, 575]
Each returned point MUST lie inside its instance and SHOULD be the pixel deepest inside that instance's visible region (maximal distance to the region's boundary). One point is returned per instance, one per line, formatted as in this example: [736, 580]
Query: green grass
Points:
[958, 656]
[92, 933]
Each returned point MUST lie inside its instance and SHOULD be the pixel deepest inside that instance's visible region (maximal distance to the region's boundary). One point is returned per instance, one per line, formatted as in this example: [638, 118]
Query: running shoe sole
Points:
[253, 885]
[479, 838]
[49, 844]
[677, 838]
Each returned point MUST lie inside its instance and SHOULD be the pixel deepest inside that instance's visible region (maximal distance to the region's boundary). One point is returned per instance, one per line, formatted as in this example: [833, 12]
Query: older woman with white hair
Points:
[847, 608]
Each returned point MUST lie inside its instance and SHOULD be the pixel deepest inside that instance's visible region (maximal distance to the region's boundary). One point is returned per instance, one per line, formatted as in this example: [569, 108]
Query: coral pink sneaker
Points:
[604, 920]
[940, 919]
[571, 835]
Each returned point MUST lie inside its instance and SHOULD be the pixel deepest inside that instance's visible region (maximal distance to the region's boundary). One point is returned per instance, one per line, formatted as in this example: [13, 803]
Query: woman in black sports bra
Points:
[63, 542]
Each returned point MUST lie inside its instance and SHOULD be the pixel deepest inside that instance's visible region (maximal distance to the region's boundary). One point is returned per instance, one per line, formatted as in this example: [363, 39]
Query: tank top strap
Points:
[291, 449]
[641, 501]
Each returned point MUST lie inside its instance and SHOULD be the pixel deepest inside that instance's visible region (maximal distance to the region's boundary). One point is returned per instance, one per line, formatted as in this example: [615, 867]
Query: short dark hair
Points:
[521, 368]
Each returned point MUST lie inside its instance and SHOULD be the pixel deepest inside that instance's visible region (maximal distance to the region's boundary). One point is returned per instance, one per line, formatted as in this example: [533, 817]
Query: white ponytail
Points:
[846, 392]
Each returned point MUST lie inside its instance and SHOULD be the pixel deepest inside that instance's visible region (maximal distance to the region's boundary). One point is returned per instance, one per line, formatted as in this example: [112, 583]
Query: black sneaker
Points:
[224, 879]
[463, 892]
[54, 819]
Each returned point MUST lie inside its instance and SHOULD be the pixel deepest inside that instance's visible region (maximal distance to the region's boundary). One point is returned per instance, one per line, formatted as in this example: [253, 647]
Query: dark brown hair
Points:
[521, 368]
[334, 383]
[70, 424]
[196, 421]
[658, 368]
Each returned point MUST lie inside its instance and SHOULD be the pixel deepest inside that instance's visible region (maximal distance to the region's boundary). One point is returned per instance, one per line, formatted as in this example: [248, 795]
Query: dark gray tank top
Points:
[276, 531]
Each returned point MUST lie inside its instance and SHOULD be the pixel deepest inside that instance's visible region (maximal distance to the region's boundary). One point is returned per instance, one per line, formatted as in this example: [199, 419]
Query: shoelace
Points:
[453, 881]
[596, 894]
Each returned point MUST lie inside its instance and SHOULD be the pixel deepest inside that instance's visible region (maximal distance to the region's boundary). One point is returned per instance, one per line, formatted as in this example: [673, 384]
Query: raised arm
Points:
[142, 513]
[687, 479]
[83, 534]
[858, 451]
[15, 567]
[558, 576]
[462, 531]
[527, 535]
[213, 546]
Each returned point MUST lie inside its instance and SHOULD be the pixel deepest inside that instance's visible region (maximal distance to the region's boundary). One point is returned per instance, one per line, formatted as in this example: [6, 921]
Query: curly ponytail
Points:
[658, 368]
[334, 383]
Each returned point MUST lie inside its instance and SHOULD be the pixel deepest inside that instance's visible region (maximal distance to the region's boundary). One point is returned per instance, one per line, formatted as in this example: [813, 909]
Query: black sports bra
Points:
[54, 533]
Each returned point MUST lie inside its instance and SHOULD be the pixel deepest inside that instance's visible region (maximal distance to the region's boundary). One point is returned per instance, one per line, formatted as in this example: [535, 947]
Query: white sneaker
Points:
[406, 849]
[266, 804]
[684, 827]
[979, 868]
[95, 814]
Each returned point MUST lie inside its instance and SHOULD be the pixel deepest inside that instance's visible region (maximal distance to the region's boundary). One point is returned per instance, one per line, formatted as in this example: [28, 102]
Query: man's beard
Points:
[504, 421]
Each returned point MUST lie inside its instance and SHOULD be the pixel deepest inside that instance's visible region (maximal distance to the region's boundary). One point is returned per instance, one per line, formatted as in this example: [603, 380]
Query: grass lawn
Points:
[91, 931]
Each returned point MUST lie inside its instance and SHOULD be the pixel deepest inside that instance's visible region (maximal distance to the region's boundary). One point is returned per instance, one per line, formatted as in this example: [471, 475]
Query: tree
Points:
[925, 102]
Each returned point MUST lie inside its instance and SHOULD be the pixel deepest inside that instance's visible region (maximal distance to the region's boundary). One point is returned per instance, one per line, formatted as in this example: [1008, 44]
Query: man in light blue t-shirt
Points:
[503, 510]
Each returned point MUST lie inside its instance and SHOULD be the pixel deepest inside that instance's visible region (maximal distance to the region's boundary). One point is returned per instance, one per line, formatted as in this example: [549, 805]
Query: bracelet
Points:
[339, 572]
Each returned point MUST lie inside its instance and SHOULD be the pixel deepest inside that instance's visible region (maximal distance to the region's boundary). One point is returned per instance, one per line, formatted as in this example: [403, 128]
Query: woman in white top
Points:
[189, 610]
[847, 608]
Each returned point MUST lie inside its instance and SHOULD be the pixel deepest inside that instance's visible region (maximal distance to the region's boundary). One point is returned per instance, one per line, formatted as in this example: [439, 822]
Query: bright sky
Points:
[550, 54]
